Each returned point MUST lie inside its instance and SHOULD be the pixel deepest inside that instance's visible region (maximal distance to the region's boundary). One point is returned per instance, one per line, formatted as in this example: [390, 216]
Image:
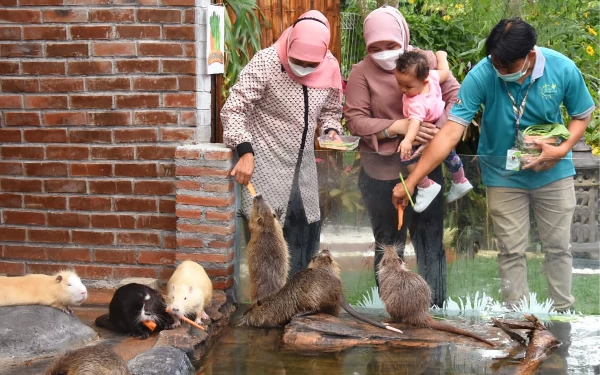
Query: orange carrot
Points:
[193, 323]
[251, 189]
[400, 215]
[190, 321]
[150, 324]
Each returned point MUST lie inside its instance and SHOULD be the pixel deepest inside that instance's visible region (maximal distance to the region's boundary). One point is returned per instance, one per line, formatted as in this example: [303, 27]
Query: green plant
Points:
[339, 195]
[449, 236]
[242, 39]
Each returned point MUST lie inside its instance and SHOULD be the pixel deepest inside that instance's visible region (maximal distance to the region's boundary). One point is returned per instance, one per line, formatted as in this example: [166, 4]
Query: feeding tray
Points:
[349, 143]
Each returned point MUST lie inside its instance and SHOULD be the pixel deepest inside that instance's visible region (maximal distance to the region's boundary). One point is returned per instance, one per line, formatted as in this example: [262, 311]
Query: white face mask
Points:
[387, 59]
[300, 71]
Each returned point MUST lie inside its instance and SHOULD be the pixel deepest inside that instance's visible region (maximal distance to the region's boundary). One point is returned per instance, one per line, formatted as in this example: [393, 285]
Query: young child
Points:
[422, 101]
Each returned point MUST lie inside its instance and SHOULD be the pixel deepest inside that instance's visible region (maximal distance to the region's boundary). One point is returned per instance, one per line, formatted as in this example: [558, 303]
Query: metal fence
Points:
[353, 45]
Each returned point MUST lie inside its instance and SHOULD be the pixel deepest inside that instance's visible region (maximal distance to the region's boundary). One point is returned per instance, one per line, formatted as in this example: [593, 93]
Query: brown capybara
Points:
[407, 296]
[318, 288]
[91, 360]
[268, 255]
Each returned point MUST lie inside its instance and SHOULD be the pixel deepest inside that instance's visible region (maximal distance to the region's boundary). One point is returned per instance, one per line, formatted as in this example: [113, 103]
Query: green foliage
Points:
[570, 27]
[242, 38]
[339, 196]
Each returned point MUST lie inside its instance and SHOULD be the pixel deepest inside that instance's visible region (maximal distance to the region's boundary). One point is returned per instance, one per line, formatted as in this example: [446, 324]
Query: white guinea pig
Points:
[61, 290]
[189, 291]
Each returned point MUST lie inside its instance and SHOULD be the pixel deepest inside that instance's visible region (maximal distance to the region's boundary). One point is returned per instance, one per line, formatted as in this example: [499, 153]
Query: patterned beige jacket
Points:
[275, 117]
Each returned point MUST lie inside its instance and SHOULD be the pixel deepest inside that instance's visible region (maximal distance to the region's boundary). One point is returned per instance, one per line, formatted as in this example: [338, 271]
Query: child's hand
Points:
[405, 149]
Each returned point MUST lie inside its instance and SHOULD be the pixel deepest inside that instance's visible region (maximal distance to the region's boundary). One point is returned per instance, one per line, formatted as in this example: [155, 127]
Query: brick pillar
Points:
[205, 210]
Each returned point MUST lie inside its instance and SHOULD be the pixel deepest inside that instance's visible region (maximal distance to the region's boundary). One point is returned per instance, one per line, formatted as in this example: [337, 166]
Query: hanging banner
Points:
[215, 39]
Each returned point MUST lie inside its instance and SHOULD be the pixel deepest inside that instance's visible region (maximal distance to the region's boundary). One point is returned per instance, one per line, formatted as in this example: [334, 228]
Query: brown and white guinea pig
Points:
[61, 290]
[131, 305]
[91, 360]
[189, 292]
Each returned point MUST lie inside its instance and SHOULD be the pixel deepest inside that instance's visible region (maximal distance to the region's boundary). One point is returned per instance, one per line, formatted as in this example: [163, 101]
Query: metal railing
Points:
[353, 45]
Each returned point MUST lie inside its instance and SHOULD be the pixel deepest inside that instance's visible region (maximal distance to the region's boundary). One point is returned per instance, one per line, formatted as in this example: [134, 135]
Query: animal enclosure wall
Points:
[469, 242]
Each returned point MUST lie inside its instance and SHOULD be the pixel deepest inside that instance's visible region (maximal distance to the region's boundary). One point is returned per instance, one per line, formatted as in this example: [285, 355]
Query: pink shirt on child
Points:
[425, 107]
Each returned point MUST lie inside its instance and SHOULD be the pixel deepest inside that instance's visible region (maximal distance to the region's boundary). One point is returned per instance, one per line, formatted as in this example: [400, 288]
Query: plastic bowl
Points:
[530, 145]
[350, 142]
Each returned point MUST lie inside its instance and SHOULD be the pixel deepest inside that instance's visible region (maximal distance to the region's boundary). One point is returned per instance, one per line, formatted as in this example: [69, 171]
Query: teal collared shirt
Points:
[556, 81]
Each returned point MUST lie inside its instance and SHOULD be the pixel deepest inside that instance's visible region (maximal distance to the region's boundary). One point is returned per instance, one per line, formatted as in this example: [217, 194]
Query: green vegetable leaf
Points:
[548, 130]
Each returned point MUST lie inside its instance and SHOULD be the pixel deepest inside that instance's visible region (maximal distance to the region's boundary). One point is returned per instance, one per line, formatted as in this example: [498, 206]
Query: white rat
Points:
[61, 290]
[189, 291]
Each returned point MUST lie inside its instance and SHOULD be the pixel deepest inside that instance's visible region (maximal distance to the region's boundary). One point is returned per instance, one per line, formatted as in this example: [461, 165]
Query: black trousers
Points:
[426, 229]
[302, 238]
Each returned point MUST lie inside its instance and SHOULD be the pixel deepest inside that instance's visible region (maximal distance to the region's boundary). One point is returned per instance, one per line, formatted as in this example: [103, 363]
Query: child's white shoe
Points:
[425, 196]
[459, 190]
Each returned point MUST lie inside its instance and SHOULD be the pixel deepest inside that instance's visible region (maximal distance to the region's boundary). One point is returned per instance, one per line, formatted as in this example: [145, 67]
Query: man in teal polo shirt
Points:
[520, 84]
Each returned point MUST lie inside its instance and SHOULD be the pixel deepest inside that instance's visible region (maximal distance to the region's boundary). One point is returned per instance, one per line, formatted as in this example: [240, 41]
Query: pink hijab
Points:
[386, 23]
[308, 40]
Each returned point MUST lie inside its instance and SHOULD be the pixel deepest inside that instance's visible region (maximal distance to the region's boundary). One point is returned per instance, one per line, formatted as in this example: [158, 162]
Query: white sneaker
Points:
[458, 190]
[425, 196]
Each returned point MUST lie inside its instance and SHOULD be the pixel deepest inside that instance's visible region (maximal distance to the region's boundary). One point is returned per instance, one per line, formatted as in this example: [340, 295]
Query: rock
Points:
[152, 283]
[324, 332]
[34, 331]
[193, 341]
[185, 338]
[161, 360]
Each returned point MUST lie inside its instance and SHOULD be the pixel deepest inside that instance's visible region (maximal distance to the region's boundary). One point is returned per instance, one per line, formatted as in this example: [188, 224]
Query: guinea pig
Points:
[61, 290]
[91, 360]
[131, 305]
[189, 291]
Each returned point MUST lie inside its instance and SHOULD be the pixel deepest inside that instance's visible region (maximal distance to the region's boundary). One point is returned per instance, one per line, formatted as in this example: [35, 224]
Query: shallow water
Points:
[255, 351]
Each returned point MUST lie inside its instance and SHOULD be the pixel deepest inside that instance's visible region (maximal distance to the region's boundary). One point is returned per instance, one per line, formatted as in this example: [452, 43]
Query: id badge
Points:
[513, 160]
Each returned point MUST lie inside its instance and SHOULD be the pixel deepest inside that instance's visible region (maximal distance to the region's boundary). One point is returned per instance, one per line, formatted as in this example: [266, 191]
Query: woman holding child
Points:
[374, 111]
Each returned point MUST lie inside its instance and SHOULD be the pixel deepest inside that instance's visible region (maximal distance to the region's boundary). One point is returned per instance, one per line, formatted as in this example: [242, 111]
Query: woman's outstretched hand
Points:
[334, 136]
[242, 172]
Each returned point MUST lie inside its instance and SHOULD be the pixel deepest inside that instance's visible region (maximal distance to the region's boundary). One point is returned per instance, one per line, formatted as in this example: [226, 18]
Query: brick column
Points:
[205, 210]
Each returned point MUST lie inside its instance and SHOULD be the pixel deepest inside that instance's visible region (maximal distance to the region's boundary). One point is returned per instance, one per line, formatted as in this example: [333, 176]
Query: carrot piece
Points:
[189, 321]
[400, 216]
[193, 323]
[251, 189]
[150, 324]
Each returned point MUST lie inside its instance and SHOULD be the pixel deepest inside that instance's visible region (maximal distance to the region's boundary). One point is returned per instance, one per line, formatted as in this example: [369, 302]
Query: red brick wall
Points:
[95, 95]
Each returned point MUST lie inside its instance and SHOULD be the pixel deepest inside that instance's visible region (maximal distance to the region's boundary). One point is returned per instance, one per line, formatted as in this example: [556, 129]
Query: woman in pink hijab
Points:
[373, 110]
[270, 119]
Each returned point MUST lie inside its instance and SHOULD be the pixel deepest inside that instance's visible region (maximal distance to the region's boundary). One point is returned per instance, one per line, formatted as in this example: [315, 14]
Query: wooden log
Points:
[514, 335]
[323, 332]
[541, 341]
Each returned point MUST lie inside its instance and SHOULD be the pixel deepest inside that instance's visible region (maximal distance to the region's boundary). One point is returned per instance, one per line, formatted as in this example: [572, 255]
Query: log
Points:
[514, 335]
[541, 341]
[326, 333]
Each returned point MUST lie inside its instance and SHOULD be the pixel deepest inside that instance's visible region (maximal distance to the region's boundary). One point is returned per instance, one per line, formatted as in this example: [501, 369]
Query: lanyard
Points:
[518, 110]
